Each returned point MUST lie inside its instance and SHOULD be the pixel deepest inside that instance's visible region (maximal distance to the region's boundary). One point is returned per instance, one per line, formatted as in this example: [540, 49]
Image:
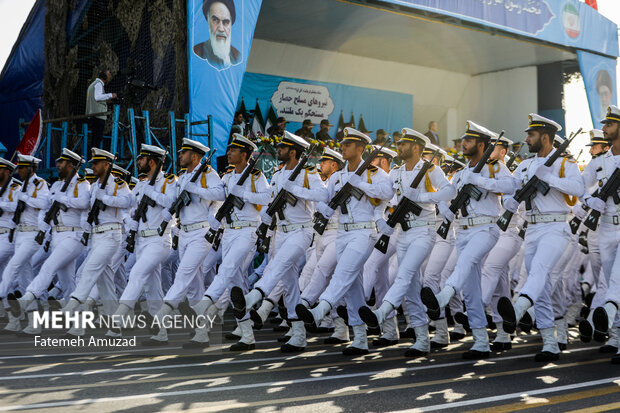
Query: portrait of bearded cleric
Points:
[218, 49]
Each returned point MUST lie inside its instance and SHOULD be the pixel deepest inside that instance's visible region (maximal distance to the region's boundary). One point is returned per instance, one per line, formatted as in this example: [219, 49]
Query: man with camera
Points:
[96, 100]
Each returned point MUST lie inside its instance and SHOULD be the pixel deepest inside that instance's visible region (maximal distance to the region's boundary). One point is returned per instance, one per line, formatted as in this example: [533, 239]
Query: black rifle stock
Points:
[344, 194]
[534, 185]
[283, 197]
[609, 189]
[184, 198]
[404, 207]
[143, 206]
[98, 206]
[52, 213]
[232, 201]
[468, 191]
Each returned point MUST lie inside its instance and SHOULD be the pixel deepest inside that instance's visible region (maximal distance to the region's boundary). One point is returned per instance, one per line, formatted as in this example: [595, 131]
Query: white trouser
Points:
[168, 269]
[609, 244]
[376, 272]
[413, 247]
[188, 281]
[354, 248]
[99, 269]
[473, 245]
[290, 247]
[65, 249]
[19, 266]
[210, 264]
[324, 268]
[308, 268]
[145, 274]
[437, 261]
[495, 282]
[544, 245]
[238, 246]
[594, 256]
[559, 281]
[6, 251]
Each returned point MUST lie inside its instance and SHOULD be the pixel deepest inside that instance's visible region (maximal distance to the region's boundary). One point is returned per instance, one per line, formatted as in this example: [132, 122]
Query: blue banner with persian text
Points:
[566, 22]
[220, 37]
[300, 99]
[599, 78]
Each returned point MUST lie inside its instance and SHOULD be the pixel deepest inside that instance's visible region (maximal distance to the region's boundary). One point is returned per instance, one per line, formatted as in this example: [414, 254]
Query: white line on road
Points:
[253, 385]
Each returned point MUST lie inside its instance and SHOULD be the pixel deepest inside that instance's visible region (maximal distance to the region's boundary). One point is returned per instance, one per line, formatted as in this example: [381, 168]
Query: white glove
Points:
[264, 217]
[150, 191]
[193, 188]
[595, 203]
[132, 225]
[61, 197]
[100, 194]
[324, 209]
[289, 186]
[165, 215]
[355, 180]
[84, 223]
[43, 226]
[237, 190]
[213, 223]
[412, 193]
[579, 212]
[444, 210]
[21, 196]
[511, 204]
[543, 173]
[383, 227]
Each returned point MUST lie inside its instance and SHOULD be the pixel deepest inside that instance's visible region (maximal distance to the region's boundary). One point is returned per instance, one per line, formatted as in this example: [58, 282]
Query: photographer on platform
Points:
[96, 101]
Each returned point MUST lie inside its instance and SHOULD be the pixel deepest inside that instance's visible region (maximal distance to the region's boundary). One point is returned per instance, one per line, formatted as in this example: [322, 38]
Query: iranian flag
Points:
[258, 125]
[32, 138]
[592, 3]
[571, 21]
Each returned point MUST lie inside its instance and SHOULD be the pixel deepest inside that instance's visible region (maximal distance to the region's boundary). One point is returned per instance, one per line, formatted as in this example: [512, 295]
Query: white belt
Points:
[475, 221]
[540, 218]
[62, 228]
[5, 230]
[241, 224]
[331, 225]
[414, 223]
[358, 225]
[105, 228]
[145, 233]
[194, 227]
[26, 228]
[293, 227]
[608, 219]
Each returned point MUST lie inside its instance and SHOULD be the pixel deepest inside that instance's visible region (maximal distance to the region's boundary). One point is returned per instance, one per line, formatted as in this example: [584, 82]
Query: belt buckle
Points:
[284, 228]
[533, 219]
[470, 222]
[615, 220]
[346, 227]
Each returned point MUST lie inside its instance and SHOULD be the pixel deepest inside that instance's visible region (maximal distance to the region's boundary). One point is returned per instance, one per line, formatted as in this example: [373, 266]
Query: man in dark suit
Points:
[218, 51]
[306, 130]
[432, 133]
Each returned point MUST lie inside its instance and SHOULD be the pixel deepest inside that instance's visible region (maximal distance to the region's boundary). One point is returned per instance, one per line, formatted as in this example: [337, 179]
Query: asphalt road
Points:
[320, 379]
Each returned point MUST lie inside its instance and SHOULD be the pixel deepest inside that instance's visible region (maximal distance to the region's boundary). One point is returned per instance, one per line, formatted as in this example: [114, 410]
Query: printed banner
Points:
[220, 38]
[565, 22]
[599, 78]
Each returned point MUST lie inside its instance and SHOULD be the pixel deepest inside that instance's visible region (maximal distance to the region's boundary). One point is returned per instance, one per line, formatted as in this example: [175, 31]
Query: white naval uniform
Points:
[545, 242]
[291, 245]
[65, 244]
[354, 246]
[239, 239]
[415, 244]
[25, 246]
[8, 203]
[326, 261]
[193, 247]
[475, 240]
[99, 267]
[600, 169]
[150, 249]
